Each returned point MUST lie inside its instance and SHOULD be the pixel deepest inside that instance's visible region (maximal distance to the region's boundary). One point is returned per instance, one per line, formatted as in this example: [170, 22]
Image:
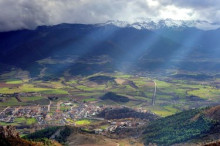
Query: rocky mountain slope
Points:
[10, 137]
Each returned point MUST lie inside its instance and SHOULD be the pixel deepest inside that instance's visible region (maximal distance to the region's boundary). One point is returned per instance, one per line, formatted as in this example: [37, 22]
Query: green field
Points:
[26, 121]
[83, 122]
[14, 82]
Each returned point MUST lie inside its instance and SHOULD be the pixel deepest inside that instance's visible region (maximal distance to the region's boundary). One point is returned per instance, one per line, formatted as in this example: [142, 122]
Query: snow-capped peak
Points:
[165, 23]
[117, 23]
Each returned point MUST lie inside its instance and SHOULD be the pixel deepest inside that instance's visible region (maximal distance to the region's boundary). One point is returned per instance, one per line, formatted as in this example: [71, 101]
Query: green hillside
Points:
[180, 127]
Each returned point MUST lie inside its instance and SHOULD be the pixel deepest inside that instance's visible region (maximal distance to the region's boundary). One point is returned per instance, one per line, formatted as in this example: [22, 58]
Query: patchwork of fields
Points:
[172, 95]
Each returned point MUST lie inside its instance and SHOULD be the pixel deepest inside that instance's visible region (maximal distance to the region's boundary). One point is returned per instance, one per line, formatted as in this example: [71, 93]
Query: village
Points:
[60, 113]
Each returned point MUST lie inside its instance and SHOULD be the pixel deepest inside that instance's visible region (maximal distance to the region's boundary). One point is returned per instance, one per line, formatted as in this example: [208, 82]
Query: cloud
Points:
[192, 3]
[208, 10]
[18, 14]
[21, 14]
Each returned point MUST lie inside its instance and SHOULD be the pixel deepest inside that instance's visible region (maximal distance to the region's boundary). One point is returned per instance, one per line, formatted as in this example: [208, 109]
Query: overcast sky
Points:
[17, 14]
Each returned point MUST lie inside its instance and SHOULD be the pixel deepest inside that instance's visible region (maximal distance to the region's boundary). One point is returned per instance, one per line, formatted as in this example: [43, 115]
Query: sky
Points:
[19, 14]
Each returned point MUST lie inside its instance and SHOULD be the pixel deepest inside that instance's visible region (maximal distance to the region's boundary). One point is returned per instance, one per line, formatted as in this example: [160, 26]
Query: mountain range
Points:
[109, 47]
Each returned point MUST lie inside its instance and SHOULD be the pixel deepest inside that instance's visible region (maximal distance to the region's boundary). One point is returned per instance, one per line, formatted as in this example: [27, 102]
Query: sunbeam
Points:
[141, 46]
[180, 55]
[80, 45]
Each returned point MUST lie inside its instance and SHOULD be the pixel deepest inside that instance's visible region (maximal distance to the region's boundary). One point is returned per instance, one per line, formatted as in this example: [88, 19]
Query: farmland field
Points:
[173, 94]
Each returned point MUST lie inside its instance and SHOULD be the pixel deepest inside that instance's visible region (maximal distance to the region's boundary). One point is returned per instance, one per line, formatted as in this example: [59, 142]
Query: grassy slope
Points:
[75, 136]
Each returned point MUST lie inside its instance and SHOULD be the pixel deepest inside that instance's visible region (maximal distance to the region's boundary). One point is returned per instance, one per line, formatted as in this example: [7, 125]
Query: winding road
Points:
[155, 92]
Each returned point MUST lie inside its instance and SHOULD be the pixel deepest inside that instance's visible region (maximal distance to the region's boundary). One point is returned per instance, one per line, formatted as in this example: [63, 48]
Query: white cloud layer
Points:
[17, 14]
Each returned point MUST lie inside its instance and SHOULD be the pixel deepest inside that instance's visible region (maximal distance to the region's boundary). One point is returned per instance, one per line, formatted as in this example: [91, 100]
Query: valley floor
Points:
[33, 104]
